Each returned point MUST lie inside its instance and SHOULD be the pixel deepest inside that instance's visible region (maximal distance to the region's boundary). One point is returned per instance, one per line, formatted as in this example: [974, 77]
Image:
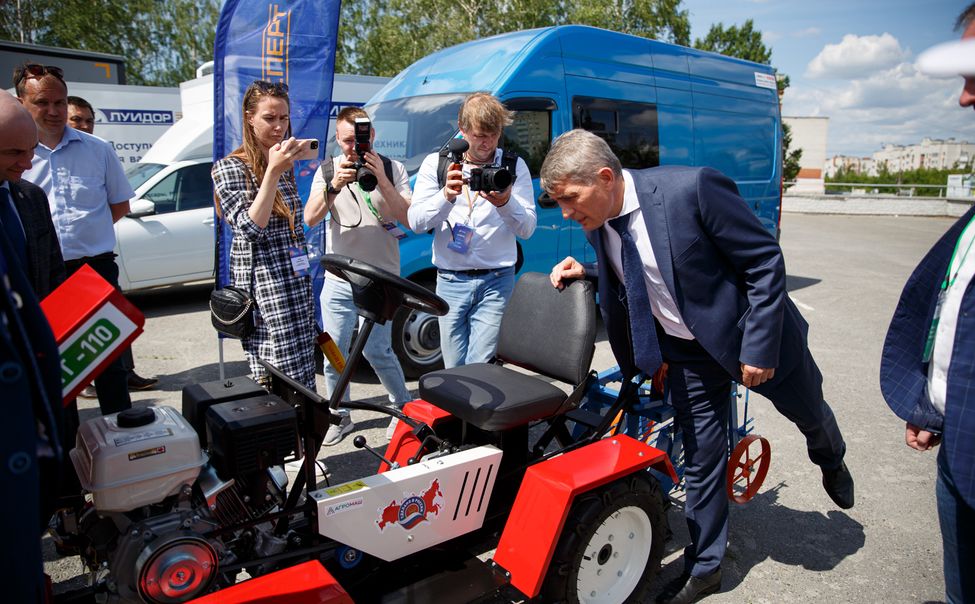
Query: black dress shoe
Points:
[686, 588]
[838, 483]
[137, 382]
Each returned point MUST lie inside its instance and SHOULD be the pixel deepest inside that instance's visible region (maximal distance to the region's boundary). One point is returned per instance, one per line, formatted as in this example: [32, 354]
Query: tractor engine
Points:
[162, 516]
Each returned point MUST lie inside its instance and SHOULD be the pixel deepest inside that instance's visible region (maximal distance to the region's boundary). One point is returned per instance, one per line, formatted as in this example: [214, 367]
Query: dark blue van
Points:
[655, 103]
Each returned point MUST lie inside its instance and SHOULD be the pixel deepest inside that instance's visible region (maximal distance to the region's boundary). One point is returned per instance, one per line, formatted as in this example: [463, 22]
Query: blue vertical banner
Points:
[287, 41]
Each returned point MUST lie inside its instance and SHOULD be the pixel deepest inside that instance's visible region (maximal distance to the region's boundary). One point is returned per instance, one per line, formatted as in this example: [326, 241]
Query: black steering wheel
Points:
[398, 291]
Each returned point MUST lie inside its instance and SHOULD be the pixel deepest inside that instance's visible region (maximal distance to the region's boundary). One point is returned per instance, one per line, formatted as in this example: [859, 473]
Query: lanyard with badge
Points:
[390, 226]
[462, 234]
[298, 252]
[947, 282]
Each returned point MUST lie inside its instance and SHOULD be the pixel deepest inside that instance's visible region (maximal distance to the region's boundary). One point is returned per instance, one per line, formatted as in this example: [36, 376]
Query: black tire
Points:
[601, 552]
[416, 339]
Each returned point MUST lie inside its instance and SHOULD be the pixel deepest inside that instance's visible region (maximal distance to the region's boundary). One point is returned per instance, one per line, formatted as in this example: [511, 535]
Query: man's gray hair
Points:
[577, 156]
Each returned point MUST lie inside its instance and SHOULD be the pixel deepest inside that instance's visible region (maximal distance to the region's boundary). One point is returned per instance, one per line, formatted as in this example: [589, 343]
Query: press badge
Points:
[394, 230]
[460, 239]
[299, 261]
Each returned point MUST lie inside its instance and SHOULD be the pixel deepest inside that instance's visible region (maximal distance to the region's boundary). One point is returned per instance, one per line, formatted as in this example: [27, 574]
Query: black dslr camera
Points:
[363, 175]
[492, 178]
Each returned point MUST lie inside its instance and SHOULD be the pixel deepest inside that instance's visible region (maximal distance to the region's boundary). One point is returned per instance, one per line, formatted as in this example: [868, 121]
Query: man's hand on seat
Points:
[570, 268]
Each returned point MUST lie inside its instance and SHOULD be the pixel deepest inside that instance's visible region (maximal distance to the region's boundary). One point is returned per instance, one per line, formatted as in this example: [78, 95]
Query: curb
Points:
[880, 205]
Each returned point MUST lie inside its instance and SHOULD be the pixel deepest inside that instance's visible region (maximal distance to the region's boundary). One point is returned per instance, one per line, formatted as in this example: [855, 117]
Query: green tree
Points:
[791, 158]
[743, 42]
[381, 38]
[163, 41]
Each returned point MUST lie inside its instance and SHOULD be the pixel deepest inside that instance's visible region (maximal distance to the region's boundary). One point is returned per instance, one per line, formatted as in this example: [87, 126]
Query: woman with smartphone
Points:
[256, 193]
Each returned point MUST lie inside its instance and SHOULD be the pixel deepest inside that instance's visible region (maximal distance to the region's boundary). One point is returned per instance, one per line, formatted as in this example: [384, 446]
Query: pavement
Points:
[790, 543]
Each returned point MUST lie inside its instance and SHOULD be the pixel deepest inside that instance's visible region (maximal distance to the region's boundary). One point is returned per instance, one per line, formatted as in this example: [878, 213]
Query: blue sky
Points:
[853, 61]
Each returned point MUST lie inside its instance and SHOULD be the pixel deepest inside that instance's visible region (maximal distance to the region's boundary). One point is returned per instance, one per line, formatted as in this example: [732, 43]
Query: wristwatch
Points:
[329, 189]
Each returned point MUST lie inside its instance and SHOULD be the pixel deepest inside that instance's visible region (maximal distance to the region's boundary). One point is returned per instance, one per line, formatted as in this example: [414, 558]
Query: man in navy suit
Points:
[927, 368]
[706, 304]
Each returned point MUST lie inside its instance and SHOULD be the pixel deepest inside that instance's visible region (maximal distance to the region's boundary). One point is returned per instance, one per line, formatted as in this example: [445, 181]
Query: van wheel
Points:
[416, 339]
[611, 546]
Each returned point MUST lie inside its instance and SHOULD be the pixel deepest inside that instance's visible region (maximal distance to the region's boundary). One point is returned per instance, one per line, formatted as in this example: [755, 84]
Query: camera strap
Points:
[372, 208]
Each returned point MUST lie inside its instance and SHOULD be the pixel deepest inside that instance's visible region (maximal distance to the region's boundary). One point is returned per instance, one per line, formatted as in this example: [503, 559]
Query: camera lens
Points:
[366, 179]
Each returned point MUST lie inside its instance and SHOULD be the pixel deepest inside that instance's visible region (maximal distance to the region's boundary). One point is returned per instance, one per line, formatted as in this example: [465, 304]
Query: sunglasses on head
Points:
[275, 87]
[36, 70]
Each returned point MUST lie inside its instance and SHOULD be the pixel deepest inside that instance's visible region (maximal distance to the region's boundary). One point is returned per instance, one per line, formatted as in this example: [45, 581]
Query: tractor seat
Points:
[543, 330]
[491, 397]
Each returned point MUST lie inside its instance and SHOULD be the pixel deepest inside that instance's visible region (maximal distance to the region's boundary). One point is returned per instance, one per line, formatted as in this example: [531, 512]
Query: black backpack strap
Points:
[388, 169]
[443, 166]
[509, 160]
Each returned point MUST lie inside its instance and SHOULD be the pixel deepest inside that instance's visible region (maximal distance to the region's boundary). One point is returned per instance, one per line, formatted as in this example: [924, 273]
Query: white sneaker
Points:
[338, 431]
[391, 428]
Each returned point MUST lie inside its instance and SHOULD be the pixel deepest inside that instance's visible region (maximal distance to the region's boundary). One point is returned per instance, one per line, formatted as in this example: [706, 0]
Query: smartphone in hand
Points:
[308, 149]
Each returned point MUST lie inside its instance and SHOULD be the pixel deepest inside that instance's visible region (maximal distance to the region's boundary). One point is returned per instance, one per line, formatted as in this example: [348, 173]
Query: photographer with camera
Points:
[367, 194]
[477, 198]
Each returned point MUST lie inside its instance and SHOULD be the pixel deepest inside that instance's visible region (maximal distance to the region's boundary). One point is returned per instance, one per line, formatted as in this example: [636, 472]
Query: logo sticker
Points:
[147, 453]
[413, 510]
[765, 80]
[345, 506]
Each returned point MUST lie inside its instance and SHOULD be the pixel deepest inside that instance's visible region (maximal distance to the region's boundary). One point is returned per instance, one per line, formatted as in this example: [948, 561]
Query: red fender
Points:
[307, 583]
[546, 494]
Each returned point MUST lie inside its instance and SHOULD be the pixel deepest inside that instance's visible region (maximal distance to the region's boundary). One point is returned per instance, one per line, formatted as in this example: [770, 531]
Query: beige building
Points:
[848, 163]
[809, 134]
[931, 153]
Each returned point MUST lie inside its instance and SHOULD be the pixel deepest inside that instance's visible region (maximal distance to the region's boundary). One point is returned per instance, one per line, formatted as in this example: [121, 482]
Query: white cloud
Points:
[809, 32]
[896, 105]
[857, 56]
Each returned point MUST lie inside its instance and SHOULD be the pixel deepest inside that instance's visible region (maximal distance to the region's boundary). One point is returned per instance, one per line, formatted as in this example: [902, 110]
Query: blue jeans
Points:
[957, 520]
[469, 330]
[340, 319]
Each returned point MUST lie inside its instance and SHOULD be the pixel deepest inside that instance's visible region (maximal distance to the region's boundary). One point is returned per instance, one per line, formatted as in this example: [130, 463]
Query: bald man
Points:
[31, 432]
[24, 208]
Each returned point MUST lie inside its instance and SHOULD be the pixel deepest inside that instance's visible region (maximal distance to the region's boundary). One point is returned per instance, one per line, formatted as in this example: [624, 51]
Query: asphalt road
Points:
[790, 543]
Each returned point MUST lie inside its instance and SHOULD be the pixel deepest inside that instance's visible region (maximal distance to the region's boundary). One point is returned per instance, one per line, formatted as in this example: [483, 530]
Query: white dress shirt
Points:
[495, 229]
[944, 340]
[661, 302]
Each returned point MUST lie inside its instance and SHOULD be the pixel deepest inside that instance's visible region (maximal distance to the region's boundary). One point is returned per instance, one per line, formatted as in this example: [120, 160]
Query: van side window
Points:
[630, 128]
[530, 136]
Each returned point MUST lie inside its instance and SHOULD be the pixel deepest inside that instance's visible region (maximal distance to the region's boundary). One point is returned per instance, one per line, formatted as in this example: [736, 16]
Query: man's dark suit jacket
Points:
[31, 397]
[45, 265]
[724, 270]
[904, 376]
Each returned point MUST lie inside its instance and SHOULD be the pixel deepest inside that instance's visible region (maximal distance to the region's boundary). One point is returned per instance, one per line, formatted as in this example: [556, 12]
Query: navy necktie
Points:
[643, 332]
[12, 228]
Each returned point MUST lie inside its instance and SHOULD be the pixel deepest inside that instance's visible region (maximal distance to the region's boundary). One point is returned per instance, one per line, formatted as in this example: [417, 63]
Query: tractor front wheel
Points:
[611, 545]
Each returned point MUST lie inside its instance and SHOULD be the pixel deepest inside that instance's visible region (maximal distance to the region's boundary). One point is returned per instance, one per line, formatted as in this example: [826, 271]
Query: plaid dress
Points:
[286, 329]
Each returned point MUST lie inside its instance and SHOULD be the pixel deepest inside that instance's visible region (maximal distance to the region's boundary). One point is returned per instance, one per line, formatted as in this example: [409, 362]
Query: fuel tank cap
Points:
[136, 417]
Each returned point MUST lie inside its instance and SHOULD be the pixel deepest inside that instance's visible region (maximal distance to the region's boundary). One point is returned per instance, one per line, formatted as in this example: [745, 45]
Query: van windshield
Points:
[409, 129]
[137, 174]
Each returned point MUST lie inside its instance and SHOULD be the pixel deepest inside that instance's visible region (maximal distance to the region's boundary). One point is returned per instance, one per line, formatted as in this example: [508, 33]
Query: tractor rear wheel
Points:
[611, 545]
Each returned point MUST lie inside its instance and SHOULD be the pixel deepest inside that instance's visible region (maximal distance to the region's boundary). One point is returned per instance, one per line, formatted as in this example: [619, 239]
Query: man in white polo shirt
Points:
[87, 190]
